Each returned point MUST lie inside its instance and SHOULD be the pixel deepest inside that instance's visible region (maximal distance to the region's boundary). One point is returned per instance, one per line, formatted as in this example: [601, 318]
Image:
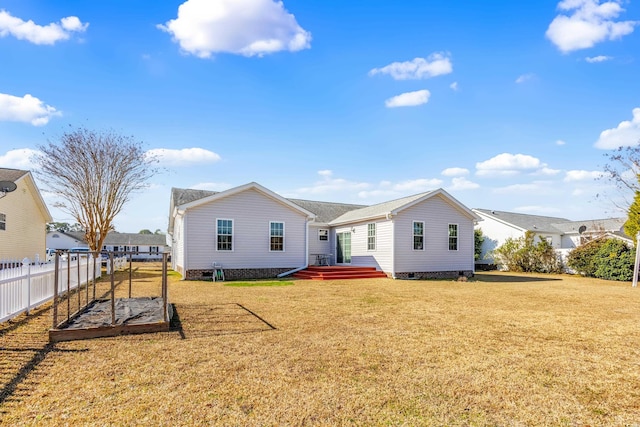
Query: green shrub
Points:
[609, 259]
[524, 255]
[583, 258]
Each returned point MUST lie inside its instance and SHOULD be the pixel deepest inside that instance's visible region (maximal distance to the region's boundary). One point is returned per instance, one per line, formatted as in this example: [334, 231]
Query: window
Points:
[323, 234]
[276, 234]
[418, 235]
[153, 249]
[3, 221]
[225, 234]
[453, 237]
[371, 237]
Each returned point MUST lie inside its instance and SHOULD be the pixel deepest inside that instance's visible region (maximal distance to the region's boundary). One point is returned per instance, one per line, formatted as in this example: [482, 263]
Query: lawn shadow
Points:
[204, 320]
[507, 278]
[15, 359]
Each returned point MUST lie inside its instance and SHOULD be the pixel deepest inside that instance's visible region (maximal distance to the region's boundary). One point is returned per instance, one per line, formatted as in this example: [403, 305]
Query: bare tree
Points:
[623, 171]
[94, 174]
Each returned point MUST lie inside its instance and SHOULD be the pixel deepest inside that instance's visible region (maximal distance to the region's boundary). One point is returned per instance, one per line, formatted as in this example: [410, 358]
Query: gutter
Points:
[306, 252]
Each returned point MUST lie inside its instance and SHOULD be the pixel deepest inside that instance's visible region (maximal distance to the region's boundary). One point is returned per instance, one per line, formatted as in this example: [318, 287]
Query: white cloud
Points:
[417, 185]
[436, 64]
[454, 86]
[243, 27]
[525, 77]
[586, 23]
[531, 188]
[19, 159]
[211, 186]
[508, 164]
[328, 185]
[560, 142]
[627, 134]
[599, 58]
[461, 183]
[455, 172]
[547, 171]
[408, 99]
[183, 157]
[28, 109]
[581, 175]
[38, 34]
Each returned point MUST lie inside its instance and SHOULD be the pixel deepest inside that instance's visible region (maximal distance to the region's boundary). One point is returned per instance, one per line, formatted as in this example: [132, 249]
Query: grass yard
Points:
[501, 350]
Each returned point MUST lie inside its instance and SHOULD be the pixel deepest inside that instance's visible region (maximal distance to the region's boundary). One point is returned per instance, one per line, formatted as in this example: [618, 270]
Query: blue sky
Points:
[506, 105]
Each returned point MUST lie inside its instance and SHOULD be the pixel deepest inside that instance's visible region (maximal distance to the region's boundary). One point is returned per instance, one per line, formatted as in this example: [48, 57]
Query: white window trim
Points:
[233, 233]
[375, 237]
[283, 236]
[457, 237]
[413, 235]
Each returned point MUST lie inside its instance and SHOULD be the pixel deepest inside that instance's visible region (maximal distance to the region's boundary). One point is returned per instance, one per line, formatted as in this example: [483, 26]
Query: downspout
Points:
[393, 245]
[306, 252]
[184, 246]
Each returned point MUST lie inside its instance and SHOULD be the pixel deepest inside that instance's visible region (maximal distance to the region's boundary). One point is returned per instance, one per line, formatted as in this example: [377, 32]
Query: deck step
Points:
[338, 273]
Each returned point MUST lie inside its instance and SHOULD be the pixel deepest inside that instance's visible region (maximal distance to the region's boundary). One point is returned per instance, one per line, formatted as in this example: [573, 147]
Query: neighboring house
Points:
[149, 247]
[563, 234]
[252, 232]
[65, 240]
[23, 218]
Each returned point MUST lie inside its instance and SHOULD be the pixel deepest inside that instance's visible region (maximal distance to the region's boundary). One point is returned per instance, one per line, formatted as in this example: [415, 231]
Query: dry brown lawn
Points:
[501, 350]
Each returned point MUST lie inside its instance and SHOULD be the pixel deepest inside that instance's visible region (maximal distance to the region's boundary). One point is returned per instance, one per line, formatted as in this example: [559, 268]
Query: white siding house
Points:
[235, 230]
[249, 230]
[561, 233]
[23, 218]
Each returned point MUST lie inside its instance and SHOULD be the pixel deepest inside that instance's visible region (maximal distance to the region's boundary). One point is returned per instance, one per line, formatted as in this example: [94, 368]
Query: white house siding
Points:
[177, 245]
[499, 233]
[437, 214]
[251, 212]
[381, 256]
[25, 233]
[58, 240]
[317, 246]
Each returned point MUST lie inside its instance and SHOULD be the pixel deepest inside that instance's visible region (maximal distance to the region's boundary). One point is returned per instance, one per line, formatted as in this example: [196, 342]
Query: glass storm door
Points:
[343, 248]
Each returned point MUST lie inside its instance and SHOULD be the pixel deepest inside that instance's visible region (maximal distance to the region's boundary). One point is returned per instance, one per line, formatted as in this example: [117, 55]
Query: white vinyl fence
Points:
[30, 285]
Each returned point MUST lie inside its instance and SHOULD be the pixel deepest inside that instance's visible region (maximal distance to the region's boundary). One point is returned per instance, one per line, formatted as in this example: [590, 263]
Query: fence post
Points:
[26, 263]
[55, 289]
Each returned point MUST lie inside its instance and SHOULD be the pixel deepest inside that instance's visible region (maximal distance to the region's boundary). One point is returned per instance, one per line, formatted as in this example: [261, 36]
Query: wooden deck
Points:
[338, 273]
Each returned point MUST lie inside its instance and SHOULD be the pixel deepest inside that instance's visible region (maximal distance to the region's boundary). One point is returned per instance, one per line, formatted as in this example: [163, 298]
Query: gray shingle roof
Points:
[614, 225]
[326, 211]
[11, 174]
[552, 224]
[525, 221]
[135, 239]
[378, 210]
[186, 195]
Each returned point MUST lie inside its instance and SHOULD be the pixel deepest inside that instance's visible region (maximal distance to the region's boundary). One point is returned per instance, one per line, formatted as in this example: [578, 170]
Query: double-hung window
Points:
[371, 237]
[224, 234]
[418, 235]
[3, 221]
[276, 236]
[453, 237]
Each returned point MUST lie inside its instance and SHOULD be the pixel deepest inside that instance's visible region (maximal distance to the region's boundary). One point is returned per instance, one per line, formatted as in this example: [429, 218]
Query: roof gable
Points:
[394, 207]
[17, 176]
[236, 190]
